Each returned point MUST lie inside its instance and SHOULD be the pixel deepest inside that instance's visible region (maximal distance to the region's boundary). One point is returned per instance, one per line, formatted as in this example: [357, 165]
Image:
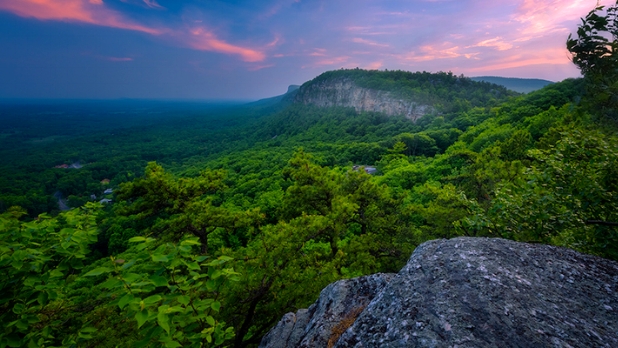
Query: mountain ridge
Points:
[409, 94]
[517, 84]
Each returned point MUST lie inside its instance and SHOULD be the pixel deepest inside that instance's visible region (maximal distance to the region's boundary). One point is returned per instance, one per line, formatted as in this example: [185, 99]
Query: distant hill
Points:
[515, 84]
[412, 95]
[272, 105]
[275, 100]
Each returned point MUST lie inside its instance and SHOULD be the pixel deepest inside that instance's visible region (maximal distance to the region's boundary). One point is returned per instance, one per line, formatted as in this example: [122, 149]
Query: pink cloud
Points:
[94, 12]
[204, 40]
[496, 43]
[549, 56]
[153, 4]
[368, 42]
[260, 67]
[276, 41]
[318, 52]
[373, 66]
[429, 52]
[327, 61]
[374, 30]
[91, 12]
[540, 17]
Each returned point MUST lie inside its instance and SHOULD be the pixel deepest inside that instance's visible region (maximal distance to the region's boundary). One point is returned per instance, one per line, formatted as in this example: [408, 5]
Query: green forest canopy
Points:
[223, 221]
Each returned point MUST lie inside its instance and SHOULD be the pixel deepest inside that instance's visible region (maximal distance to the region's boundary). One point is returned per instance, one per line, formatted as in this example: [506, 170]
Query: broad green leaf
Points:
[216, 274]
[163, 321]
[159, 280]
[172, 344]
[201, 258]
[111, 283]
[125, 300]
[141, 317]
[215, 305]
[17, 263]
[210, 320]
[42, 298]
[193, 266]
[18, 308]
[128, 264]
[137, 239]
[159, 258]
[152, 299]
[131, 277]
[175, 309]
[97, 271]
[184, 300]
[56, 273]
[190, 242]
[84, 336]
[32, 318]
[22, 324]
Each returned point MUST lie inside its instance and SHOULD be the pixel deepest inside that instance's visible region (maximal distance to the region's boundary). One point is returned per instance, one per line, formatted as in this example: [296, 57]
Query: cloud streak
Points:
[203, 40]
[91, 12]
[368, 42]
[95, 12]
[279, 42]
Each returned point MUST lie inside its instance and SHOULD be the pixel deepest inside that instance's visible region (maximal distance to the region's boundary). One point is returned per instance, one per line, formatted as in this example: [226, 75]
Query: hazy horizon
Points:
[191, 50]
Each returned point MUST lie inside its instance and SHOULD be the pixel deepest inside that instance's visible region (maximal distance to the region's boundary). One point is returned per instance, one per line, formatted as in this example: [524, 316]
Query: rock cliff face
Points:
[344, 92]
[474, 292]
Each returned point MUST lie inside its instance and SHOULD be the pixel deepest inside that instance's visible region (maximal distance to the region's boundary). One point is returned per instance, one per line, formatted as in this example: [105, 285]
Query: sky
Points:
[252, 49]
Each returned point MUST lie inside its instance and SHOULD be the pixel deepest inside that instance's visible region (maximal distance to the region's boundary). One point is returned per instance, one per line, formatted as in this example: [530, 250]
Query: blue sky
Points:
[210, 49]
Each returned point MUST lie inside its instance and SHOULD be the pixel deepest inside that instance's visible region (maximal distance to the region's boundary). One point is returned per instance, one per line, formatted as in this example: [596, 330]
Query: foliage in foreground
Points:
[213, 252]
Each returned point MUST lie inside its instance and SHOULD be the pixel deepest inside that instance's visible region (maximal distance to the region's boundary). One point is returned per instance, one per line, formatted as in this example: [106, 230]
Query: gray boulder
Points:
[481, 292]
[478, 292]
[335, 310]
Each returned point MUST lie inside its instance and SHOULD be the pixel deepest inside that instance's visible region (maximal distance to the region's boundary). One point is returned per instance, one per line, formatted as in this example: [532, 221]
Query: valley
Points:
[247, 211]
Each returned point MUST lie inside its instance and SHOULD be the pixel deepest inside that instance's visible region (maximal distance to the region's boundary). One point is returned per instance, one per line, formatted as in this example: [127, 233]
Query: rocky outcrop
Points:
[480, 292]
[336, 309]
[344, 92]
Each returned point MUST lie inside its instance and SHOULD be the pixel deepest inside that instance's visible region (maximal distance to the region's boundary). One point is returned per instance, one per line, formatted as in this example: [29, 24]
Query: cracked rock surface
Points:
[482, 292]
[339, 301]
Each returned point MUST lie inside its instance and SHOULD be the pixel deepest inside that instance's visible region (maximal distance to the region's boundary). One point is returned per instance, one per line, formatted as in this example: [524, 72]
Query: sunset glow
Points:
[185, 48]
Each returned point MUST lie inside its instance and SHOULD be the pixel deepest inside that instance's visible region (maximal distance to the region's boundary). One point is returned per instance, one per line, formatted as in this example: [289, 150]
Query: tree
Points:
[171, 290]
[177, 207]
[595, 52]
[333, 225]
[566, 197]
[37, 259]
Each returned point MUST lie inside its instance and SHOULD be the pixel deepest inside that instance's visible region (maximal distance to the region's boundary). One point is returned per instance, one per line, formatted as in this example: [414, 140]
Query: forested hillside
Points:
[515, 84]
[224, 219]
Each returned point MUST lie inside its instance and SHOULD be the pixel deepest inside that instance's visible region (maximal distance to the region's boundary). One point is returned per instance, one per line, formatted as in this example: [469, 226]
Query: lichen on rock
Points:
[482, 292]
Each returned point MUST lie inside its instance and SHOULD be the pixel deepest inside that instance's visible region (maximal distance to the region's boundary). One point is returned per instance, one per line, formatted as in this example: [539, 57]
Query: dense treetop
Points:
[222, 220]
